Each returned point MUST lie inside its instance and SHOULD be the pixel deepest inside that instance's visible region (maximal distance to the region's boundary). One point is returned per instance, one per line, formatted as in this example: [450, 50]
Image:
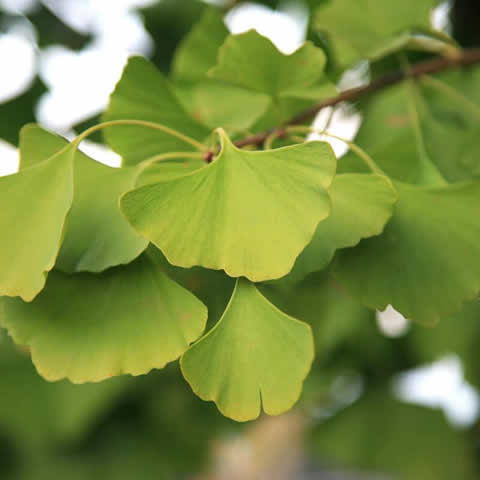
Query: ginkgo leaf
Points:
[248, 213]
[293, 82]
[255, 356]
[426, 263]
[143, 93]
[35, 203]
[205, 100]
[361, 206]
[89, 327]
[435, 120]
[361, 29]
[338, 320]
[167, 170]
[198, 51]
[252, 61]
[97, 235]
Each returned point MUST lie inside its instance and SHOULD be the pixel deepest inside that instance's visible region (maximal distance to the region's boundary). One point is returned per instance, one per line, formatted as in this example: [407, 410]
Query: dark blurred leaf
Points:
[168, 21]
[381, 434]
[15, 113]
[40, 413]
[458, 334]
[465, 18]
[52, 31]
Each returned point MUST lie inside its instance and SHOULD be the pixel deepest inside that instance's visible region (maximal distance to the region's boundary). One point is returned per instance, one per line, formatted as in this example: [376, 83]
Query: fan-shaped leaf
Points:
[361, 206]
[203, 97]
[248, 213]
[254, 355]
[97, 235]
[293, 82]
[89, 327]
[427, 261]
[144, 94]
[35, 203]
[198, 50]
[206, 102]
[447, 132]
[252, 61]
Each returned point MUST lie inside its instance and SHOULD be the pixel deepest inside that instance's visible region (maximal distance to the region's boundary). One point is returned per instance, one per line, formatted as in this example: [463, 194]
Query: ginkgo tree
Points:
[219, 174]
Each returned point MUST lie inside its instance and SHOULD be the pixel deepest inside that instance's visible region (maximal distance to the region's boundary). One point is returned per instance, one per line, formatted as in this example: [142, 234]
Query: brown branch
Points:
[439, 64]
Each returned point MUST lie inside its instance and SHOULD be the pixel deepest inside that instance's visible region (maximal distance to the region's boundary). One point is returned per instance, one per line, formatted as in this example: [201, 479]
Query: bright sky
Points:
[80, 83]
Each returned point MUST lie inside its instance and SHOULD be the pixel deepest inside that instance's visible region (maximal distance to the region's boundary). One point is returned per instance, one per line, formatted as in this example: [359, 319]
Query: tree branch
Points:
[440, 64]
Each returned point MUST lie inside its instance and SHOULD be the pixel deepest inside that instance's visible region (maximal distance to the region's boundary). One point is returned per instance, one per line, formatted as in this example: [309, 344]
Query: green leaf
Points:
[379, 434]
[447, 108]
[361, 206]
[203, 97]
[426, 263]
[20, 110]
[197, 52]
[387, 134]
[337, 319]
[255, 355]
[143, 93]
[213, 287]
[205, 100]
[252, 61]
[35, 205]
[248, 213]
[89, 327]
[167, 169]
[293, 82]
[97, 235]
[365, 29]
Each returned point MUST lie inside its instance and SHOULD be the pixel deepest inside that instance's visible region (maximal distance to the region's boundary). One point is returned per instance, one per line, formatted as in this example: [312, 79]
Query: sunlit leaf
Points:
[361, 206]
[167, 170]
[35, 203]
[251, 61]
[254, 356]
[143, 93]
[89, 327]
[97, 236]
[206, 102]
[248, 213]
[426, 263]
[211, 102]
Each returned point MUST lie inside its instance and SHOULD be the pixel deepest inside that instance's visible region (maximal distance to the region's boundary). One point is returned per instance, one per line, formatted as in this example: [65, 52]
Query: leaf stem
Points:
[141, 123]
[368, 160]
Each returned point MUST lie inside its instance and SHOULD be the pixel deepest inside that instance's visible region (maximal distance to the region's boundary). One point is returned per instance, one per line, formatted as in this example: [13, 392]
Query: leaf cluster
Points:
[241, 262]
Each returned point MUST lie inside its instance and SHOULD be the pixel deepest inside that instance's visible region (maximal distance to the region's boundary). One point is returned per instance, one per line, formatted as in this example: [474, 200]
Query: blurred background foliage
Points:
[385, 398]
